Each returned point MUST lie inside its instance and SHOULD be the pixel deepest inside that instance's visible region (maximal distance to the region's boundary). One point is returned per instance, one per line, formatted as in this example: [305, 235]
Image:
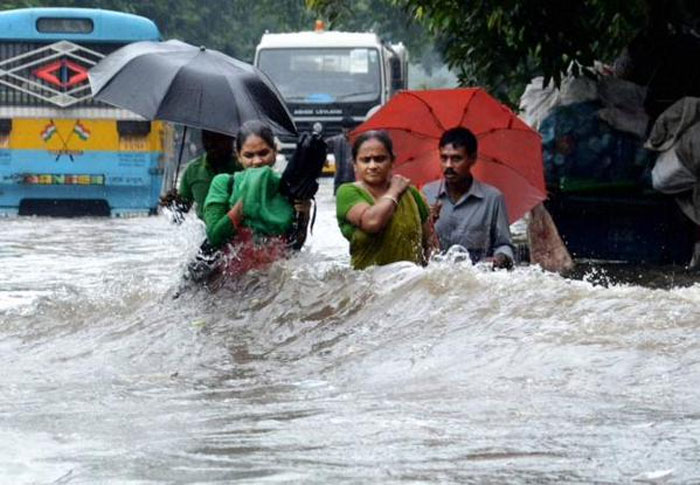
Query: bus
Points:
[61, 152]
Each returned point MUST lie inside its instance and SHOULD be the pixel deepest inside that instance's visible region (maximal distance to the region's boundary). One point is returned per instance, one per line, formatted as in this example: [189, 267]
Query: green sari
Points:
[400, 240]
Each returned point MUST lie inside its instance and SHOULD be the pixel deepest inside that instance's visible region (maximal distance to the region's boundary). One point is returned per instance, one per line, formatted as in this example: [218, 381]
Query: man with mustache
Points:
[467, 212]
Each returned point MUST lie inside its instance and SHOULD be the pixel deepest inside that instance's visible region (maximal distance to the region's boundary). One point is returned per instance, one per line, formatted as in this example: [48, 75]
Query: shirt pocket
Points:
[476, 237]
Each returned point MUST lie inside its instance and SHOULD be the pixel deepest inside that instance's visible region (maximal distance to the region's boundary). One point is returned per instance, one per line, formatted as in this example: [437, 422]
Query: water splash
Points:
[313, 372]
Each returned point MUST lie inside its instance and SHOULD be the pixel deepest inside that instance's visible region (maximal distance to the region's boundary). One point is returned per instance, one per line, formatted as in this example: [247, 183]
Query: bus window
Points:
[57, 25]
[133, 128]
[5, 130]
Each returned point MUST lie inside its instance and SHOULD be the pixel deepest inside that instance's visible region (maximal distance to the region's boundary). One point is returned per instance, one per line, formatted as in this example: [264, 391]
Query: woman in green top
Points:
[247, 210]
[382, 215]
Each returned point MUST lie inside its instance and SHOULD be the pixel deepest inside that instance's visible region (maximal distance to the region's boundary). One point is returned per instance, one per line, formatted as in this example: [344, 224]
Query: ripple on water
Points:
[312, 372]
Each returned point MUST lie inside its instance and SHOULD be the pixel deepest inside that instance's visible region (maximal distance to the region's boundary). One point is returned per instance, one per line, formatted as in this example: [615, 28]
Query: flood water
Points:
[310, 372]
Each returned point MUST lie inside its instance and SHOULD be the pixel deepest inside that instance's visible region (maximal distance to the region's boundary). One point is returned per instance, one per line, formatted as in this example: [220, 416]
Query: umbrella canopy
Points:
[202, 88]
[509, 154]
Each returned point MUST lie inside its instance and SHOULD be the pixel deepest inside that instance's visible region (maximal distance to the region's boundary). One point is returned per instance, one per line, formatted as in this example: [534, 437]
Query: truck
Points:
[325, 76]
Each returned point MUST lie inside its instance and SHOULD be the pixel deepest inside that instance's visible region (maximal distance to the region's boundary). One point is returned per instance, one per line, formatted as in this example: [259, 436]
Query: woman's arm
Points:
[373, 218]
[221, 222]
[218, 217]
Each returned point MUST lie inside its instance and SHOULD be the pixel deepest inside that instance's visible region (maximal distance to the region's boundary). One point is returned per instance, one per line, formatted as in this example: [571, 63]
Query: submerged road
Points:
[314, 373]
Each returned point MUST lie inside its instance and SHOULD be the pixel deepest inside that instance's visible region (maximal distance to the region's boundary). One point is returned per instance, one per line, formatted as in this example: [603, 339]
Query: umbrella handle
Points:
[179, 157]
[300, 227]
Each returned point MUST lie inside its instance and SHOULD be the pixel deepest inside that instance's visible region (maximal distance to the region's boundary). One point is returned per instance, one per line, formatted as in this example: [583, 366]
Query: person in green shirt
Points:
[246, 214]
[384, 218]
[194, 185]
[195, 181]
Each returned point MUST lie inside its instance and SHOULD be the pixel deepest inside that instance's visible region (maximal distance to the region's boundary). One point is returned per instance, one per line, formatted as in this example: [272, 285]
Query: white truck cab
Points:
[325, 76]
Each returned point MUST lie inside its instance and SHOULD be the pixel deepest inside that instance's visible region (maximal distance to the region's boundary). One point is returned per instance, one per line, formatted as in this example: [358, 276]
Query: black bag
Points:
[300, 181]
[300, 177]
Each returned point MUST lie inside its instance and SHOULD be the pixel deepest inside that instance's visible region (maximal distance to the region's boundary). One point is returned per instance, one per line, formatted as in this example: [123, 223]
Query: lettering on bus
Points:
[68, 153]
[328, 111]
[117, 180]
[318, 112]
[62, 179]
[132, 159]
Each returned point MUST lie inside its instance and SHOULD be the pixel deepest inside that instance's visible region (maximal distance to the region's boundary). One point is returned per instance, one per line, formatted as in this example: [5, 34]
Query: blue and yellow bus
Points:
[61, 152]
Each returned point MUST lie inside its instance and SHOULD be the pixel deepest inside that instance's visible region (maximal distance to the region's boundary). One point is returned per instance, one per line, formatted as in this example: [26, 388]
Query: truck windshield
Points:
[329, 75]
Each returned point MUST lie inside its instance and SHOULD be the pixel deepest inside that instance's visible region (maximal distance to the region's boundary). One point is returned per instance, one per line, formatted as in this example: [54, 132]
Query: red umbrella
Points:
[510, 152]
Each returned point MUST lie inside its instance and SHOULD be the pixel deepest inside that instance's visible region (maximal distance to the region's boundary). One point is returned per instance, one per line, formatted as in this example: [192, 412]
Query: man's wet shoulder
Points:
[489, 191]
[431, 190]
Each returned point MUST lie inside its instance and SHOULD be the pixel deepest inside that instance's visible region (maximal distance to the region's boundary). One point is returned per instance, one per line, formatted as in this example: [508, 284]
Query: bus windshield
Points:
[323, 75]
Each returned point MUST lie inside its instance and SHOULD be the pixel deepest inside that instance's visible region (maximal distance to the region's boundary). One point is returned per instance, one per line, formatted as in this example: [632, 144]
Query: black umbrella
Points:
[202, 88]
[197, 87]
[300, 179]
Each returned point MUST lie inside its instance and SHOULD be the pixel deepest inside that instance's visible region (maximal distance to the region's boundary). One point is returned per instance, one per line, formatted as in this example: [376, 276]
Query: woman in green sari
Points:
[382, 215]
[245, 213]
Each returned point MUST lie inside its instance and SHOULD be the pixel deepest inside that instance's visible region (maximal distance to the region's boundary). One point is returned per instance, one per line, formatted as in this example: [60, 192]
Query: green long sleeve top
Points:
[195, 181]
[266, 212]
[220, 229]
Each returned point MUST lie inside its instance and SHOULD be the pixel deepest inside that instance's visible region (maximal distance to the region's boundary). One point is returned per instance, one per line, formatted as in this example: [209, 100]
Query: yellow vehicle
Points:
[329, 167]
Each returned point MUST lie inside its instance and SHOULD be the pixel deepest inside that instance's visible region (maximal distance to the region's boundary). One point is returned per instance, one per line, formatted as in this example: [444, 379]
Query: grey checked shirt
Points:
[478, 221]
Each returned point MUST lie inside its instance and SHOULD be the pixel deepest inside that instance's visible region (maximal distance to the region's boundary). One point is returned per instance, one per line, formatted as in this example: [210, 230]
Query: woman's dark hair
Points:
[257, 128]
[380, 135]
[460, 137]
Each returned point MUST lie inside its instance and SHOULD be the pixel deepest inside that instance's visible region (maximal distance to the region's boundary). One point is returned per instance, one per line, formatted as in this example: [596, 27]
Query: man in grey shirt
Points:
[467, 212]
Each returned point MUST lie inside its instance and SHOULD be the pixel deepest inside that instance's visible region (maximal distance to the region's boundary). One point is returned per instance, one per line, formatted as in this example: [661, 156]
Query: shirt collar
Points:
[476, 190]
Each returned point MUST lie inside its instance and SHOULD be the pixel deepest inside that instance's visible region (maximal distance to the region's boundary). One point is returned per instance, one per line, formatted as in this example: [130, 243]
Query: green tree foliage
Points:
[392, 22]
[235, 26]
[502, 44]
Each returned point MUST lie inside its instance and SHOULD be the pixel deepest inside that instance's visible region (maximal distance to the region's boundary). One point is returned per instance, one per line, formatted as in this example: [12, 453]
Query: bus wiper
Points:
[349, 95]
[334, 98]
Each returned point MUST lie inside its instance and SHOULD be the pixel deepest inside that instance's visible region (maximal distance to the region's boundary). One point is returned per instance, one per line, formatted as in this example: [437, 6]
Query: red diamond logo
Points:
[62, 73]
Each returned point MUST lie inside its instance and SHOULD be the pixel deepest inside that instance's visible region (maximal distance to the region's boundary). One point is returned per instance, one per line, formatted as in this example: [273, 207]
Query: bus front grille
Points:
[64, 207]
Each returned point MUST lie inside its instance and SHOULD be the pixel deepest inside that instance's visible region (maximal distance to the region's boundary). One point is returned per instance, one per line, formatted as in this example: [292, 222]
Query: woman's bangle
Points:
[387, 196]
